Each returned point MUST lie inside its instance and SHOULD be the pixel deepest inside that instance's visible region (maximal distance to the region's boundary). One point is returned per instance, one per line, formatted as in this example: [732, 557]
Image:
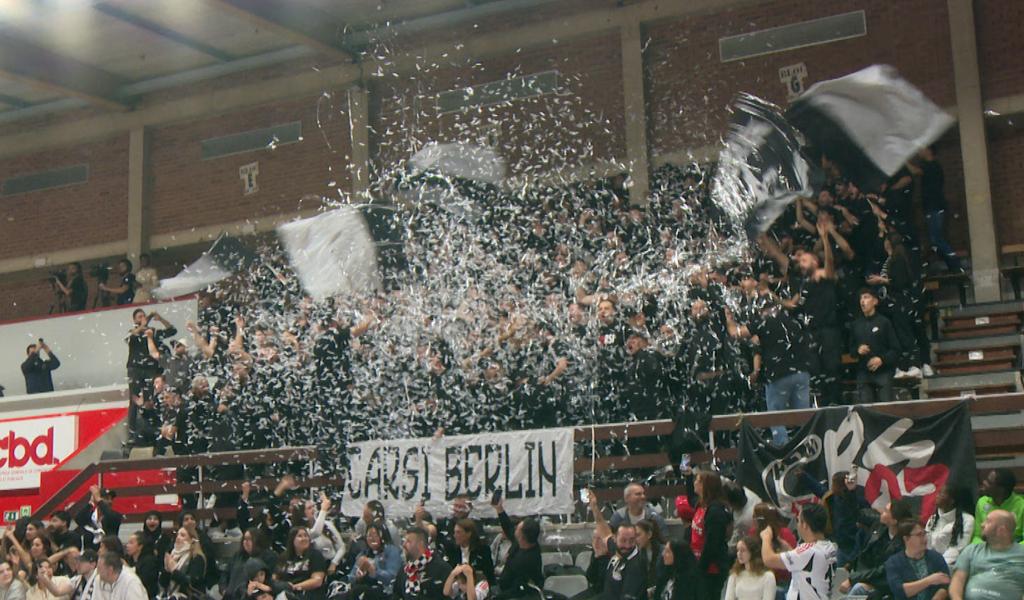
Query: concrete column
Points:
[637, 155]
[138, 193]
[359, 126]
[974, 147]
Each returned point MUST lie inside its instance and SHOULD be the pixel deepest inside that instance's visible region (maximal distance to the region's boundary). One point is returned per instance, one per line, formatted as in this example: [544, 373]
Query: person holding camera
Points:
[72, 286]
[38, 370]
[124, 292]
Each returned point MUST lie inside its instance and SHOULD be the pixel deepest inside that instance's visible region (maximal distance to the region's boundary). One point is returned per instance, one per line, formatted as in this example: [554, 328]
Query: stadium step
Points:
[976, 361]
[972, 384]
[986, 325]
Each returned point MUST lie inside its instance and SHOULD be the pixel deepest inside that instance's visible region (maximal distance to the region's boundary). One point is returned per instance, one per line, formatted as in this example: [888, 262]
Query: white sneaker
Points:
[928, 370]
[900, 374]
[913, 373]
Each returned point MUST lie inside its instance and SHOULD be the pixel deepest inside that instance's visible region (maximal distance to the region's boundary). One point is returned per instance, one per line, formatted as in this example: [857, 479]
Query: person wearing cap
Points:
[873, 341]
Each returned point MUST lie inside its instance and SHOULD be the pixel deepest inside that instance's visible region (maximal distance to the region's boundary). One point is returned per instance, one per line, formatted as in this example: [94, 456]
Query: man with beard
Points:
[617, 566]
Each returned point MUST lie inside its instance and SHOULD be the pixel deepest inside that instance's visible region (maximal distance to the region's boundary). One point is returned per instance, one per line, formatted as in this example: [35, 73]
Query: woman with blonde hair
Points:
[749, 579]
[184, 573]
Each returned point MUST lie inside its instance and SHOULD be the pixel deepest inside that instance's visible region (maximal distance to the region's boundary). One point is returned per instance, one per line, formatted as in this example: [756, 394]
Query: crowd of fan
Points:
[726, 542]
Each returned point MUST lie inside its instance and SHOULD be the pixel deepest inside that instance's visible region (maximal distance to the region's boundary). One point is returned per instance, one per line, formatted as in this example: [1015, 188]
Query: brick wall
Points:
[1000, 46]
[77, 215]
[1006, 168]
[188, 191]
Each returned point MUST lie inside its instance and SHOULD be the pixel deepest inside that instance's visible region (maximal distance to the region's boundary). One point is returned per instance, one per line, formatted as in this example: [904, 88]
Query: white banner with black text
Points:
[533, 470]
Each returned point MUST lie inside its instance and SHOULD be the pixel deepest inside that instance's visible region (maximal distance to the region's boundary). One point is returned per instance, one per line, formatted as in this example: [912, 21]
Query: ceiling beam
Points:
[163, 31]
[294, 21]
[62, 75]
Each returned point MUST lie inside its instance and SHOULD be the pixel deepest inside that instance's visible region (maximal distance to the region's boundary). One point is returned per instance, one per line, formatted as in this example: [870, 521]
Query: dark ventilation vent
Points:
[45, 180]
[496, 92]
[797, 35]
[250, 141]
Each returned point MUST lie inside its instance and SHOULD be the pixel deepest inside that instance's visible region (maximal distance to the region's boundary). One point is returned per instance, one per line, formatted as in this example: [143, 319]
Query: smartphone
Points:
[684, 462]
[585, 496]
[496, 498]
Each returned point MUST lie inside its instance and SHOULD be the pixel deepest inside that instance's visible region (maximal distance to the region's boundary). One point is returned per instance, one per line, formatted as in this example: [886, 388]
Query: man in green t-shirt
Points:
[999, 495]
[994, 569]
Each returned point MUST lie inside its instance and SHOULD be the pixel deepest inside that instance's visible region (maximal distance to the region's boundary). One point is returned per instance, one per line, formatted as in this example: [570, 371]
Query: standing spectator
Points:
[812, 564]
[98, 518]
[38, 370]
[146, 280]
[933, 200]
[917, 573]
[749, 579]
[873, 341]
[424, 573]
[75, 289]
[998, 489]
[636, 509]
[142, 365]
[119, 583]
[125, 288]
[523, 567]
[951, 527]
[993, 568]
[178, 367]
[709, 533]
[817, 304]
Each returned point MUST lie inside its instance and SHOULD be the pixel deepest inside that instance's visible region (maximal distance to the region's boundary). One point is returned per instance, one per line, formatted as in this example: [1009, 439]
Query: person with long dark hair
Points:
[709, 534]
[302, 569]
[677, 573]
[469, 549]
[376, 566]
[950, 526]
[234, 580]
[649, 543]
[844, 501]
[141, 558]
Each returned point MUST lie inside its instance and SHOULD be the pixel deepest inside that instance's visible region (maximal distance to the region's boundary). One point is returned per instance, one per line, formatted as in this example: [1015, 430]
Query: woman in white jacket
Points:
[325, 535]
[950, 528]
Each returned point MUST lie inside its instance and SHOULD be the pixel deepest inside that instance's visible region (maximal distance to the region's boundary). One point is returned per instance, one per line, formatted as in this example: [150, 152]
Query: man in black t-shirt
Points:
[75, 289]
[125, 289]
[933, 203]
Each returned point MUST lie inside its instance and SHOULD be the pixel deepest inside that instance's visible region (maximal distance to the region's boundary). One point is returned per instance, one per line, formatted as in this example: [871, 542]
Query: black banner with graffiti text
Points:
[892, 457]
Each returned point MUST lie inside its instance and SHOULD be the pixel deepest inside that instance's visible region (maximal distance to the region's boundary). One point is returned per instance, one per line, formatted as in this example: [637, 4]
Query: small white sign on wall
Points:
[793, 77]
[247, 173]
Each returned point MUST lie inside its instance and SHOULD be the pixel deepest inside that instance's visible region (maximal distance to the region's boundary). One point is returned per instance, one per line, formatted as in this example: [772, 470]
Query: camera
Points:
[100, 272]
[60, 275]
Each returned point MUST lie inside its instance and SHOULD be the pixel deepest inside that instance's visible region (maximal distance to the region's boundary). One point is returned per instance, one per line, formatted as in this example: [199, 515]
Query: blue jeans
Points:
[791, 392]
[937, 235]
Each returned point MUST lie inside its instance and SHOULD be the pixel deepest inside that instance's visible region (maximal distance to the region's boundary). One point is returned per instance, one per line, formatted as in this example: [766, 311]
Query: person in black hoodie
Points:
[38, 370]
[424, 573]
[235, 578]
[523, 566]
[98, 518]
[873, 341]
[139, 556]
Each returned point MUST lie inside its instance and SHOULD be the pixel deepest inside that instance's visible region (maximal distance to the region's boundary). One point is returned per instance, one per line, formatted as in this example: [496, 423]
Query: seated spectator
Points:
[37, 590]
[375, 567]
[917, 573]
[845, 502]
[462, 506]
[993, 568]
[153, 532]
[139, 557]
[373, 514]
[811, 564]
[235, 578]
[301, 569]
[501, 546]
[465, 584]
[873, 341]
[470, 550]
[867, 570]
[998, 494]
[523, 567]
[709, 534]
[951, 527]
[636, 508]
[184, 567]
[677, 573]
[11, 587]
[649, 542]
[38, 371]
[326, 537]
[425, 572]
[749, 579]
[119, 582]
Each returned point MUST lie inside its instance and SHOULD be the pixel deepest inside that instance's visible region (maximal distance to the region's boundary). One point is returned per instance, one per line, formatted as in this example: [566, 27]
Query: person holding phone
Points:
[38, 370]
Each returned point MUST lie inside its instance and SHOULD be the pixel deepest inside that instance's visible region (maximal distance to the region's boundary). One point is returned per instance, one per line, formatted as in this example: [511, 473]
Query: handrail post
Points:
[199, 503]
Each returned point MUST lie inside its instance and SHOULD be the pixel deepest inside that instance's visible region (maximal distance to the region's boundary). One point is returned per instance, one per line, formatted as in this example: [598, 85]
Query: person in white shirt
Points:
[749, 579]
[118, 583]
[949, 530]
[813, 563]
[83, 586]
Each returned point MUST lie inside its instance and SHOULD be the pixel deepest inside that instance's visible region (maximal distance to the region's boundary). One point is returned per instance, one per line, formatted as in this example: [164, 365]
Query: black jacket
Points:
[878, 334]
[479, 558]
[190, 581]
[627, 580]
[522, 568]
[148, 570]
[110, 521]
[432, 586]
[869, 566]
[37, 372]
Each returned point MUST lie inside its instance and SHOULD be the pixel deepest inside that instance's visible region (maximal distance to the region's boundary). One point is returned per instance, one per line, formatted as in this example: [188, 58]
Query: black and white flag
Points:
[892, 456]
